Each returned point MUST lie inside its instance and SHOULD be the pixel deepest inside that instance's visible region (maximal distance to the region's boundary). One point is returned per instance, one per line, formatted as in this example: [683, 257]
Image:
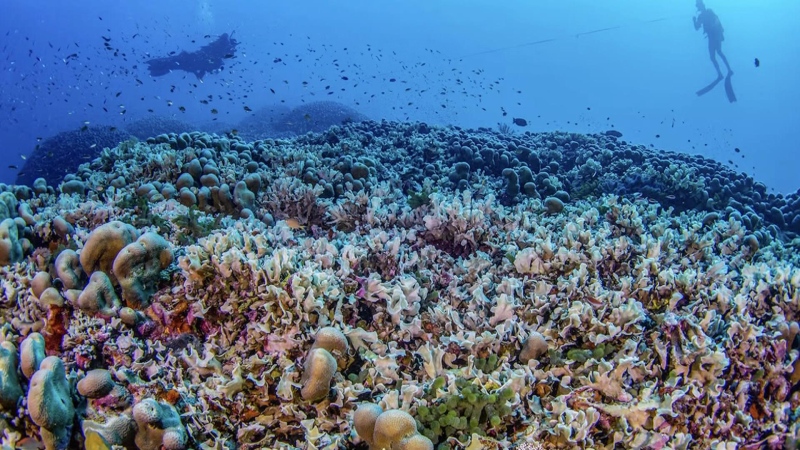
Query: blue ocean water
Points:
[539, 271]
[581, 66]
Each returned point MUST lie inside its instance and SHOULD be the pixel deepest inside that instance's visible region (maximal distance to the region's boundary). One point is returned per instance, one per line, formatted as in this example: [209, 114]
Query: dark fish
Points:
[247, 108]
[520, 122]
[13, 166]
[757, 62]
[737, 150]
[214, 111]
[613, 133]
[182, 109]
[307, 117]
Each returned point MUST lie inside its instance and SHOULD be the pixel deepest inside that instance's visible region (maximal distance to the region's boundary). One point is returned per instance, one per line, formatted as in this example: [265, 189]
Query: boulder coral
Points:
[138, 265]
[10, 245]
[103, 245]
[10, 389]
[98, 297]
[326, 355]
[96, 383]
[388, 430]
[31, 354]
[318, 371]
[159, 426]
[50, 404]
[68, 269]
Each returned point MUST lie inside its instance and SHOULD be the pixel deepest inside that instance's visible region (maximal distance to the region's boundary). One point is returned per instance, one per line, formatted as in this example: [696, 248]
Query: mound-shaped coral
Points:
[159, 426]
[327, 270]
[50, 403]
[280, 121]
[61, 154]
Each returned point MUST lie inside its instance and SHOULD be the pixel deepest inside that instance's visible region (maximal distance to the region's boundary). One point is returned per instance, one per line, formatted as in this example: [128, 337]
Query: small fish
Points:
[247, 109]
[757, 62]
[737, 150]
[13, 166]
[294, 224]
[182, 109]
[234, 132]
[520, 122]
[307, 117]
[85, 127]
[214, 111]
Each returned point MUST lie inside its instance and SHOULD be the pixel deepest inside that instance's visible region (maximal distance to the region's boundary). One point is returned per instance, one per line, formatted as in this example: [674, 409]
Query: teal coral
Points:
[10, 389]
[50, 403]
[159, 426]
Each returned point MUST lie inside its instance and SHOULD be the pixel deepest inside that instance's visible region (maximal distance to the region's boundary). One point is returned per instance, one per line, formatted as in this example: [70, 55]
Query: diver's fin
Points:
[708, 88]
[729, 89]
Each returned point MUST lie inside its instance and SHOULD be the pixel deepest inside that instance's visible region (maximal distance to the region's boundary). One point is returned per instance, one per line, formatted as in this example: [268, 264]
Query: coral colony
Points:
[398, 286]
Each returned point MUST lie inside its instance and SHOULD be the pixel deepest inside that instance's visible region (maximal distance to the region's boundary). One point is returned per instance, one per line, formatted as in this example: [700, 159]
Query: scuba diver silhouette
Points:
[210, 58]
[713, 30]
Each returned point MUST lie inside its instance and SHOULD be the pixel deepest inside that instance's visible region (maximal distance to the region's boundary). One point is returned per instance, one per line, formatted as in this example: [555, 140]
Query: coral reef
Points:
[403, 286]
